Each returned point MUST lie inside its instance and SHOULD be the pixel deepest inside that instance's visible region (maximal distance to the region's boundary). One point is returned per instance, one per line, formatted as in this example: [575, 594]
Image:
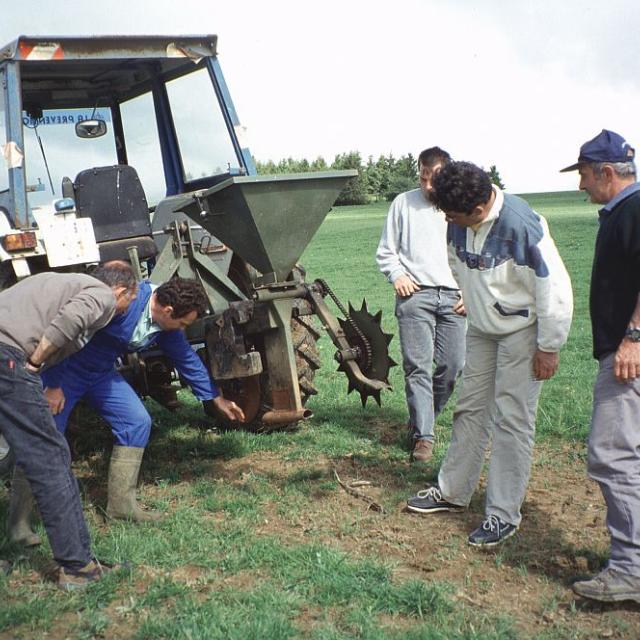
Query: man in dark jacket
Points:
[42, 319]
[158, 316]
[608, 174]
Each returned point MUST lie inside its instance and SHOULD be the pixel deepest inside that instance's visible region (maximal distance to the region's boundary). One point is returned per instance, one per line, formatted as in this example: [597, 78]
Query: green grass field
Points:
[260, 541]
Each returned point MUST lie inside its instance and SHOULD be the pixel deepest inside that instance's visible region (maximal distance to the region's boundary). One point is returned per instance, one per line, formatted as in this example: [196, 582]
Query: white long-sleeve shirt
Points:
[511, 274]
[414, 242]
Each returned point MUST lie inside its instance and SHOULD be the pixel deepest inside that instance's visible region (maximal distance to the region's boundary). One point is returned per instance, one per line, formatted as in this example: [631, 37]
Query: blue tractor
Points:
[131, 148]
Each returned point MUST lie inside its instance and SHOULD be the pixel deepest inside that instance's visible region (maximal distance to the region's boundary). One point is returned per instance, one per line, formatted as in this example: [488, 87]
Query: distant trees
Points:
[494, 176]
[381, 179]
[355, 191]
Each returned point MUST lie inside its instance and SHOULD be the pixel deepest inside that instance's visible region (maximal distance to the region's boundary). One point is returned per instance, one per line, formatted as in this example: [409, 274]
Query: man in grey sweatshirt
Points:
[413, 255]
[43, 319]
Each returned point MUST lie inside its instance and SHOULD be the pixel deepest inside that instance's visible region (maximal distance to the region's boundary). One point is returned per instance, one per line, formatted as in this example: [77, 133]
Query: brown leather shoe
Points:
[70, 579]
[422, 451]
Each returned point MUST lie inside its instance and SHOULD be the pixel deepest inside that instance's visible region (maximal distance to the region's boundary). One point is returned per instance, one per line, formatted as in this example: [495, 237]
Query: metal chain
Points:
[367, 346]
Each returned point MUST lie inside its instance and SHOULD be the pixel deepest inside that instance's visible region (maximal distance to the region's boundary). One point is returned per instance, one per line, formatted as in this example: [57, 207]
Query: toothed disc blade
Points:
[369, 325]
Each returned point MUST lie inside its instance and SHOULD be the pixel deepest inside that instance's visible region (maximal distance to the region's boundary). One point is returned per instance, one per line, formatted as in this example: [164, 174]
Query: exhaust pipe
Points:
[285, 416]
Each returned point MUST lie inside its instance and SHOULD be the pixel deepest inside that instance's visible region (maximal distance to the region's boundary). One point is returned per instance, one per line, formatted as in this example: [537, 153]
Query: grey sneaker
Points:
[431, 501]
[609, 586]
[491, 532]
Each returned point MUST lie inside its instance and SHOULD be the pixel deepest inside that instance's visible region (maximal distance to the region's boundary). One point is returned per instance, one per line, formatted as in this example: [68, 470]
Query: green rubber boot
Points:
[20, 510]
[123, 479]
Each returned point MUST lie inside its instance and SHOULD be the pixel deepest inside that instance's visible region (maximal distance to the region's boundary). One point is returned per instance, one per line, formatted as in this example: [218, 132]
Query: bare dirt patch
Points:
[528, 579]
[562, 536]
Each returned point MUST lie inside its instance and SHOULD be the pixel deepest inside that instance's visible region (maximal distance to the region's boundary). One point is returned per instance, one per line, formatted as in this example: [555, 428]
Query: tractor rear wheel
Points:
[305, 342]
[253, 393]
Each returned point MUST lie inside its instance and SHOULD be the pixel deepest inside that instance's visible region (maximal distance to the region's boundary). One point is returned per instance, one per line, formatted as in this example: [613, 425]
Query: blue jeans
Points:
[43, 454]
[430, 333]
[111, 396]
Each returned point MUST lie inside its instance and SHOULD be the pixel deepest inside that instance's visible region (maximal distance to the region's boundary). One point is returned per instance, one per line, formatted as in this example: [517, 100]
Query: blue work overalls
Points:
[90, 374]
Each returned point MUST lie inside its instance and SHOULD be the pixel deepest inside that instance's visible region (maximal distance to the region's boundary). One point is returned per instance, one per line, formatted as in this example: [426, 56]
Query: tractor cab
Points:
[95, 132]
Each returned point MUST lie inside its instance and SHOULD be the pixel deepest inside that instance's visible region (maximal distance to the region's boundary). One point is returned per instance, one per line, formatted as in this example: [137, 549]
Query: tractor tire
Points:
[305, 342]
[305, 338]
[253, 393]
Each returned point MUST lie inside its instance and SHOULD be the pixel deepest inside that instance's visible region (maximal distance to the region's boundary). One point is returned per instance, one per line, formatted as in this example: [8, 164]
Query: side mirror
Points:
[91, 128]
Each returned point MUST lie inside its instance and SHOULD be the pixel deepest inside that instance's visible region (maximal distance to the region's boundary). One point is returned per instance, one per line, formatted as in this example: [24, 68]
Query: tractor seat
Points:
[114, 200]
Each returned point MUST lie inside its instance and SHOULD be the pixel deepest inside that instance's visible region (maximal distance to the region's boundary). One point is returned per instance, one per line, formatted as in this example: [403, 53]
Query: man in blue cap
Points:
[608, 174]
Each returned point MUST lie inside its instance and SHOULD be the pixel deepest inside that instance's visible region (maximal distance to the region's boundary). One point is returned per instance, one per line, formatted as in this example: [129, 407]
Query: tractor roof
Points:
[59, 72]
[35, 48]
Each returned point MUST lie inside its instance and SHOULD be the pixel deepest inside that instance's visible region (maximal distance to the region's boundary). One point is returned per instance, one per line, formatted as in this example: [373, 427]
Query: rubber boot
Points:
[20, 510]
[123, 479]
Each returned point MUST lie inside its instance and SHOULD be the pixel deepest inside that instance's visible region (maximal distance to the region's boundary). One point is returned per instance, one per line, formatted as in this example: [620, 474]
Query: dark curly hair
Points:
[460, 187]
[184, 296]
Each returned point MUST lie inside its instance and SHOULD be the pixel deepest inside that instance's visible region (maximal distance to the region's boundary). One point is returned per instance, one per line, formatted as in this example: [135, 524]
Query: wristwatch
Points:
[633, 334]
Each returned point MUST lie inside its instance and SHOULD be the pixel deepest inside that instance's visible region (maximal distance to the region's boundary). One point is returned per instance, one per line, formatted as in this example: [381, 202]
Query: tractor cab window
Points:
[52, 150]
[143, 147]
[205, 146]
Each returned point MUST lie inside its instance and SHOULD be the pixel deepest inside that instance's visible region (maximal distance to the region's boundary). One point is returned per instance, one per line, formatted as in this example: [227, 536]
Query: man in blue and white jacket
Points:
[519, 306]
[158, 316]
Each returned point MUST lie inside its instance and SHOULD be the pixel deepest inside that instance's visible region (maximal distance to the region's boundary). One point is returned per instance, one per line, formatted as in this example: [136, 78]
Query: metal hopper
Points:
[267, 220]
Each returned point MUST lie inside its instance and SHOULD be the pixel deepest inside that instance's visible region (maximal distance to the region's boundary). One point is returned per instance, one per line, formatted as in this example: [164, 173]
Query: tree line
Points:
[381, 179]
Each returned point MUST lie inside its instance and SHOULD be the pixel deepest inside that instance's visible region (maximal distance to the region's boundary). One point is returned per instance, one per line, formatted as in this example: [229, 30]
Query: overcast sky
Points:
[519, 84]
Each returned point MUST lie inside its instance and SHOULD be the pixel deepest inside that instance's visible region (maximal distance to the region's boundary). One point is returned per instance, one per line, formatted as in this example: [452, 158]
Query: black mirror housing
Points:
[91, 128]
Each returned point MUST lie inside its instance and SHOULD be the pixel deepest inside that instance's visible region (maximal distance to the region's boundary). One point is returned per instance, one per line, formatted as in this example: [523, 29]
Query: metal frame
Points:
[13, 121]
[230, 114]
[171, 158]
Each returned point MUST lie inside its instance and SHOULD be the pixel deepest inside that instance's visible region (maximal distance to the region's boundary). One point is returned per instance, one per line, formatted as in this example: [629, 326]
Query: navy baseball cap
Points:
[607, 146]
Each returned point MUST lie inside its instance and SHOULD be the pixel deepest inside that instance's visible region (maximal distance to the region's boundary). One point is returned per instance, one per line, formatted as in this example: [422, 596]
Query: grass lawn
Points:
[261, 541]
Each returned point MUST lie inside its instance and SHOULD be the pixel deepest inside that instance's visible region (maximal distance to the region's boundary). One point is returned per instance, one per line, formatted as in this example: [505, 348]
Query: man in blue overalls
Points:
[158, 315]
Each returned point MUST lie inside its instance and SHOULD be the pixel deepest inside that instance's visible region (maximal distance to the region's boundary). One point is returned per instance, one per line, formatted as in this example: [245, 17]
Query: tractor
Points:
[131, 148]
